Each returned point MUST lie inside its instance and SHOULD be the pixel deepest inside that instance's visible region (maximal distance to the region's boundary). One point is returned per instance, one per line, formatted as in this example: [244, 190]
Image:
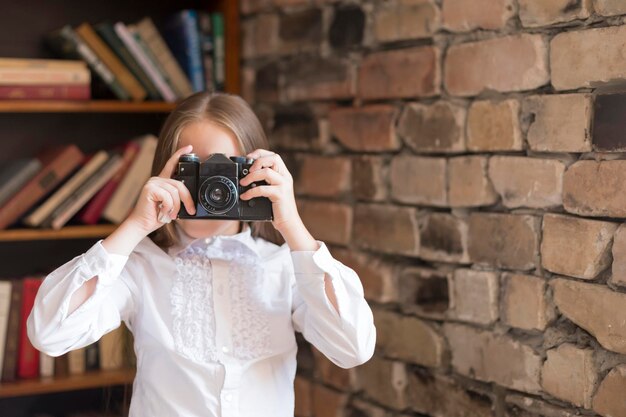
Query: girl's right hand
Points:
[160, 198]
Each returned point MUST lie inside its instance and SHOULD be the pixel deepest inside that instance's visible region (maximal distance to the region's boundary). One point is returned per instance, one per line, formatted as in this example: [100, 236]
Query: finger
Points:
[273, 161]
[184, 194]
[268, 175]
[164, 203]
[270, 191]
[170, 165]
[257, 153]
[175, 198]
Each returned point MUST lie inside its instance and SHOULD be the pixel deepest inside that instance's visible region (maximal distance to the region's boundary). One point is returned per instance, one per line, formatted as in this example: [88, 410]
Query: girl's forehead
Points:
[208, 138]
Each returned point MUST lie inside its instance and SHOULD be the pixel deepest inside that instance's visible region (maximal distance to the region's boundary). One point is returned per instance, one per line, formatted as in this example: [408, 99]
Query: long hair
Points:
[228, 111]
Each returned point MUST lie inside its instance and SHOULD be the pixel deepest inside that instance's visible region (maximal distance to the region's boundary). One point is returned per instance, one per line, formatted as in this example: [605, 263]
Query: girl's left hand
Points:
[269, 167]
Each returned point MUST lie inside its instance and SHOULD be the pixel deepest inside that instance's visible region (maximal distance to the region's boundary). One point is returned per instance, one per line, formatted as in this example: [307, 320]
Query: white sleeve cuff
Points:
[107, 266]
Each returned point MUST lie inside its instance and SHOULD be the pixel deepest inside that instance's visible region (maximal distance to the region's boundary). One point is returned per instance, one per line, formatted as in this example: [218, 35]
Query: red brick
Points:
[425, 292]
[386, 229]
[323, 176]
[401, 73]
[512, 63]
[468, 183]
[328, 402]
[535, 13]
[303, 392]
[466, 15]
[475, 296]
[318, 78]
[609, 7]
[439, 127]
[406, 20]
[609, 398]
[331, 374]
[260, 36]
[525, 304]
[569, 374]
[384, 381]
[443, 238]
[419, 180]
[330, 222]
[494, 126]
[585, 58]
[369, 178]
[366, 129]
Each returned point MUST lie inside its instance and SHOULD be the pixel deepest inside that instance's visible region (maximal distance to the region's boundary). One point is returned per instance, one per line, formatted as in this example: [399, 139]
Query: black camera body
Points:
[215, 189]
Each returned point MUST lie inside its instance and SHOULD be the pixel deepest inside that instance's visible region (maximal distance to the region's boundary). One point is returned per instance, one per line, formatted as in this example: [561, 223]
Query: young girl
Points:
[212, 304]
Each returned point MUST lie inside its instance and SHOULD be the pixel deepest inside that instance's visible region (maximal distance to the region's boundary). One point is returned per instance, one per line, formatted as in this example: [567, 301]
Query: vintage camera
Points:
[215, 189]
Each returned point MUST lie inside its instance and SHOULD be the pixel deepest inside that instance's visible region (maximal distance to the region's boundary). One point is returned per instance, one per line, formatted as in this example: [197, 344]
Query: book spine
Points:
[65, 212]
[36, 218]
[95, 63]
[92, 212]
[219, 51]
[9, 367]
[92, 357]
[206, 40]
[194, 52]
[86, 33]
[43, 76]
[106, 32]
[123, 200]
[155, 43]
[62, 163]
[153, 60]
[28, 356]
[45, 92]
[166, 92]
[46, 365]
[46, 64]
[11, 185]
[5, 305]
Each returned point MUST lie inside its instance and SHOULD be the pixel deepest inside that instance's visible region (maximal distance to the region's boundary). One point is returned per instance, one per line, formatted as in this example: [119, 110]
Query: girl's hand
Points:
[160, 198]
[269, 167]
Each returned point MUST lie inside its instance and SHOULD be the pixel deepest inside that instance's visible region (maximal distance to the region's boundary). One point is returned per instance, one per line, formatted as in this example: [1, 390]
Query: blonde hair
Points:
[228, 111]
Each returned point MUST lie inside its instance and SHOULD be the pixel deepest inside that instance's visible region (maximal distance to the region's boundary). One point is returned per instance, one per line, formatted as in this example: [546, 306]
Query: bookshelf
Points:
[92, 125]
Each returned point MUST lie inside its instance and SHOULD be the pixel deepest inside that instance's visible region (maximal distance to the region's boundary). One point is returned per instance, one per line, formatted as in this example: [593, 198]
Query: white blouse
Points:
[213, 320]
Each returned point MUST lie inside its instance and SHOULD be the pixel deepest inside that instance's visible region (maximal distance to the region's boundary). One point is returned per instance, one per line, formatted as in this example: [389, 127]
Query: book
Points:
[206, 45]
[46, 64]
[9, 365]
[92, 357]
[45, 92]
[79, 198]
[5, 305]
[28, 356]
[182, 36]
[37, 217]
[15, 174]
[44, 76]
[156, 44]
[57, 164]
[123, 200]
[129, 41]
[77, 361]
[67, 43]
[62, 365]
[107, 33]
[154, 62]
[112, 349]
[91, 213]
[122, 74]
[46, 365]
[219, 51]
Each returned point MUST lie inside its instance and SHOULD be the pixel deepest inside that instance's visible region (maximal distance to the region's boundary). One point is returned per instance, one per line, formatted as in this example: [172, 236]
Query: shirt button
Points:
[228, 397]
[225, 349]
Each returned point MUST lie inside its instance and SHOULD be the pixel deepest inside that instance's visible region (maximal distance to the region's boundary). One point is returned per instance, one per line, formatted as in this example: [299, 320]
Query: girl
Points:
[212, 304]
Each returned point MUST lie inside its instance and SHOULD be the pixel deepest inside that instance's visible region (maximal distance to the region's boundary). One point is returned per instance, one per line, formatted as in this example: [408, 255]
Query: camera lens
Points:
[218, 194]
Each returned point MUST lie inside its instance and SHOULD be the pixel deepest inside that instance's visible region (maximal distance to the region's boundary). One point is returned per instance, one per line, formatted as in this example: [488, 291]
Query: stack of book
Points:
[62, 183]
[44, 79]
[20, 360]
[134, 61]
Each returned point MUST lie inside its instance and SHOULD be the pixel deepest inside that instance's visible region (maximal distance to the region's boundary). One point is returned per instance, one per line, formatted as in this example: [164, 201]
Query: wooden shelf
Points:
[84, 106]
[69, 232]
[95, 379]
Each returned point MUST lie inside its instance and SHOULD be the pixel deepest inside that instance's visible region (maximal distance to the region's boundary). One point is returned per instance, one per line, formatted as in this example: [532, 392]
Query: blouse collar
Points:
[241, 239]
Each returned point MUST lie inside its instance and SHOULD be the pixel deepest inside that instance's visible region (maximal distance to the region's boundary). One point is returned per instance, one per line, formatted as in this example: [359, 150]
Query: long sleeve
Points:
[347, 338]
[52, 330]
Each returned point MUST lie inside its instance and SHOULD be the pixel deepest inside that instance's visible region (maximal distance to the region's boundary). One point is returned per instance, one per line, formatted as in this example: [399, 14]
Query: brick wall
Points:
[466, 158]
